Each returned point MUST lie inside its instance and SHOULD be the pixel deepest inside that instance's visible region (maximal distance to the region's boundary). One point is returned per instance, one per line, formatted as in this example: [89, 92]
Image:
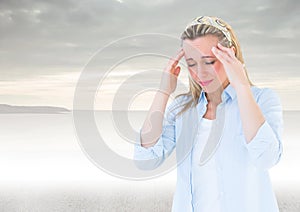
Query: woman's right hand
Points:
[169, 77]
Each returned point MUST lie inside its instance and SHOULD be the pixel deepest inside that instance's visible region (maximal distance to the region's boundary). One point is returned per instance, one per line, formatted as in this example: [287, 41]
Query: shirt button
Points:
[222, 193]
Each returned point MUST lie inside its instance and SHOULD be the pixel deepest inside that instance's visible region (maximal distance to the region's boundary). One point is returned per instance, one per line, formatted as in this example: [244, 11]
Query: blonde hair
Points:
[200, 30]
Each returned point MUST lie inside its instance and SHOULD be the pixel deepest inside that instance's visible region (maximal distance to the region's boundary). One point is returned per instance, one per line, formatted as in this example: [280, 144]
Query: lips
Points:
[204, 83]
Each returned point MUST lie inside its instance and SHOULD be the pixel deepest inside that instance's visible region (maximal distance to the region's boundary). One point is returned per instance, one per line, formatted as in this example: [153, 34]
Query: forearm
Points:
[152, 127]
[251, 115]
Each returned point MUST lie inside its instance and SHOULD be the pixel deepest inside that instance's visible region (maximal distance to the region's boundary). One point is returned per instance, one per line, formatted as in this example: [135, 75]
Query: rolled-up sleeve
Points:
[152, 157]
[265, 149]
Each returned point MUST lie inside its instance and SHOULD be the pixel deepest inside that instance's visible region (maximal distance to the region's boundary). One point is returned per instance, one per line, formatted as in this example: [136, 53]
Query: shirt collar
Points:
[227, 93]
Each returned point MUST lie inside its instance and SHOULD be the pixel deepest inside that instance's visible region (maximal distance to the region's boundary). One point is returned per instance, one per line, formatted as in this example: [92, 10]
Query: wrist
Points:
[243, 90]
[164, 94]
[164, 91]
[242, 87]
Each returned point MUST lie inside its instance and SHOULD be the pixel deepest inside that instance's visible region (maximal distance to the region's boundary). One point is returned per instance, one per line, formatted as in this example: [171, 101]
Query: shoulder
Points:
[178, 102]
[265, 94]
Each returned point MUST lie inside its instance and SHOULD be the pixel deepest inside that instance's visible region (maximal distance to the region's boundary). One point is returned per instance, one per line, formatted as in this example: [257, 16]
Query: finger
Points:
[220, 56]
[177, 70]
[228, 50]
[177, 58]
[223, 55]
[179, 55]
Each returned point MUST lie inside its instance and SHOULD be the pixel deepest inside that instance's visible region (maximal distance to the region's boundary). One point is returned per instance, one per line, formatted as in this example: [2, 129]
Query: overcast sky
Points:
[46, 44]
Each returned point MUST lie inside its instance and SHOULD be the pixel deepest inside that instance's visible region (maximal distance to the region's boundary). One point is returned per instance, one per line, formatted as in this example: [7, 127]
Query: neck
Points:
[214, 98]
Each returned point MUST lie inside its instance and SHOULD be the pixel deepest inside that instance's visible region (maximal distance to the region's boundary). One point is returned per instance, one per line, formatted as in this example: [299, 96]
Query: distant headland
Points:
[8, 109]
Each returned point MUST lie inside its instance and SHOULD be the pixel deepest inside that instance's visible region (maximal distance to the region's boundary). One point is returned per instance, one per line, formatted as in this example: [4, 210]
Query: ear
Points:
[234, 50]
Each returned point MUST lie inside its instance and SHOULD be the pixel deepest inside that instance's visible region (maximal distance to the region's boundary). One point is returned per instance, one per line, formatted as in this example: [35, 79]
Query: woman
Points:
[226, 167]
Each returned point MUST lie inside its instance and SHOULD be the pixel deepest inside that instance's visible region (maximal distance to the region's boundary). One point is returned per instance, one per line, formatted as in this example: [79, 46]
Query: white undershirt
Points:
[205, 187]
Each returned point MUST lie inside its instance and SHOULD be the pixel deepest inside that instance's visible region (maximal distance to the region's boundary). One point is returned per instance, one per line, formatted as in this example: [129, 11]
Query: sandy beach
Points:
[43, 169]
[107, 198]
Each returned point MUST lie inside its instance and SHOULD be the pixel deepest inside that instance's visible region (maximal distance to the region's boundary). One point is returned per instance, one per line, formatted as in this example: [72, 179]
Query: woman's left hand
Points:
[234, 68]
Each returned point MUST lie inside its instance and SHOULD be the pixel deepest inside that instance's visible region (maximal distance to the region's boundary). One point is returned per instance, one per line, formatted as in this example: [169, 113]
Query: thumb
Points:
[177, 70]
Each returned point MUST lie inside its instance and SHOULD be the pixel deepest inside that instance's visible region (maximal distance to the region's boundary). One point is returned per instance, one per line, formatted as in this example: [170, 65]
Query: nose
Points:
[202, 71]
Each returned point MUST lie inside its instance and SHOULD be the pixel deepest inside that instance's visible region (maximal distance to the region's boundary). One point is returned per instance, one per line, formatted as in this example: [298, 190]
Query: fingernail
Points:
[213, 48]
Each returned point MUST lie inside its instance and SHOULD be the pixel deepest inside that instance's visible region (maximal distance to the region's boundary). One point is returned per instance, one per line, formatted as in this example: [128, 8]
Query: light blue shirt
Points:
[237, 173]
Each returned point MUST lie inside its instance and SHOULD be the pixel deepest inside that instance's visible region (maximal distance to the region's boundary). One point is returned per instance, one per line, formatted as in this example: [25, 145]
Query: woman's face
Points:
[202, 63]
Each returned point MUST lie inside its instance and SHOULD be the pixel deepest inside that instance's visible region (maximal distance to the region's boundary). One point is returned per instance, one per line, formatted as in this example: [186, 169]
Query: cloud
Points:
[40, 38]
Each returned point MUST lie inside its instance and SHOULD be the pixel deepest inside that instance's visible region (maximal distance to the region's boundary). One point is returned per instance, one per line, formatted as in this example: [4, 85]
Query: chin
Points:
[211, 88]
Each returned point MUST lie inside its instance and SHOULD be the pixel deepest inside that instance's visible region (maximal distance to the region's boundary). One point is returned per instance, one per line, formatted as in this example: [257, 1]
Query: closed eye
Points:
[206, 63]
[210, 63]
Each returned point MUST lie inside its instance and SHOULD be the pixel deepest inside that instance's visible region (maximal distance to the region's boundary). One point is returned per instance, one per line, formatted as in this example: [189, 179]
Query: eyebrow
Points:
[201, 57]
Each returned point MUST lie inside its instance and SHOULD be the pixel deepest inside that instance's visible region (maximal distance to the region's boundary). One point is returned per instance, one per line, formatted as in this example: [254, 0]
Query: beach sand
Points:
[80, 196]
[43, 169]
